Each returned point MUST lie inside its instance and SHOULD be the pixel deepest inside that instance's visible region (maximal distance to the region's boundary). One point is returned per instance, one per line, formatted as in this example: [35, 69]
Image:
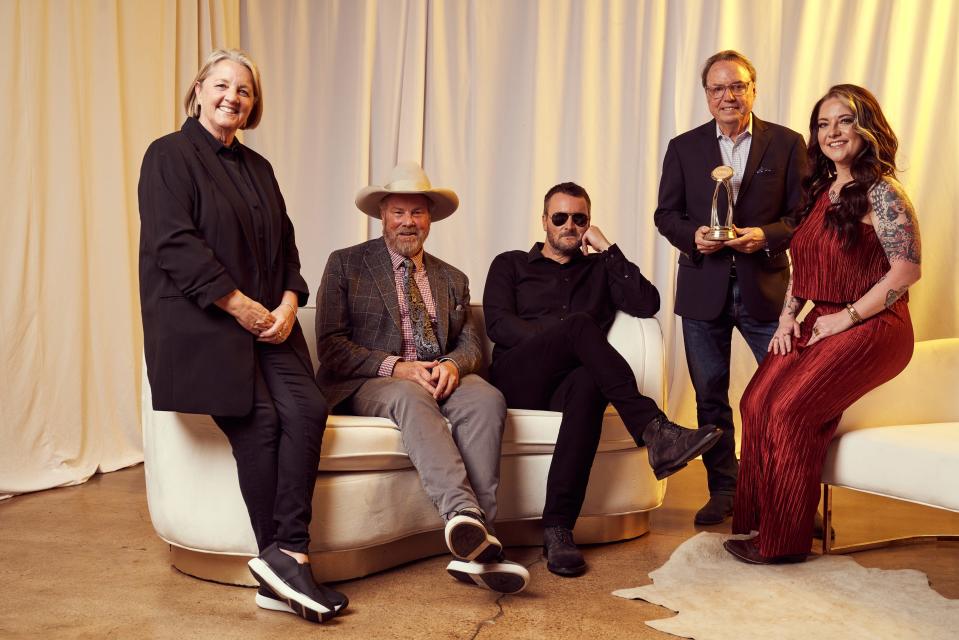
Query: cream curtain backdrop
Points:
[499, 99]
[88, 86]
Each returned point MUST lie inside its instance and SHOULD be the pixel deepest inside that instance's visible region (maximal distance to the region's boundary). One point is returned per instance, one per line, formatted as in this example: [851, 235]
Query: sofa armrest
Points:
[924, 393]
[640, 342]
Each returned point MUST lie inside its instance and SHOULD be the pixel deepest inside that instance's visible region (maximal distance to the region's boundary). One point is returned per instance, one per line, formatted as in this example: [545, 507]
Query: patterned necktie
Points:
[424, 337]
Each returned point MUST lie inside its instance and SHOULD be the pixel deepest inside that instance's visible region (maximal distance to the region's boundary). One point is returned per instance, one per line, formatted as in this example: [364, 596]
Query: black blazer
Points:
[768, 197]
[197, 245]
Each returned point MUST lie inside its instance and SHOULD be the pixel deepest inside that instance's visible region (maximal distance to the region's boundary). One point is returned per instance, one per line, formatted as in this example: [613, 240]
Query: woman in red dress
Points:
[855, 254]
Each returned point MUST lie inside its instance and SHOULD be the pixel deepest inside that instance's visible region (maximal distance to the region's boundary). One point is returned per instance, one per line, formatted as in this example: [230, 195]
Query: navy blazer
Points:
[196, 245]
[768, 198]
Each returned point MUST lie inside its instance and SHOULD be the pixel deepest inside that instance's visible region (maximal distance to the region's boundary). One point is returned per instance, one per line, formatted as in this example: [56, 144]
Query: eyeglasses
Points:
[559, 219]
[717, 91]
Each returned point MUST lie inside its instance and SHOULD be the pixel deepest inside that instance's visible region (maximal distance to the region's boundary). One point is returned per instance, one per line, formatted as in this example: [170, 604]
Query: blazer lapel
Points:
[711, 144]
[377, 260]
[713, 158]
[439, 285]
[756, 151]
[220, 178]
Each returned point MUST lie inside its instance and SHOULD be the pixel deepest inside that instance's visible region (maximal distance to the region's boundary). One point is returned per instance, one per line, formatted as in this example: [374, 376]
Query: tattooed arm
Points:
[894, 222]
[788, 325]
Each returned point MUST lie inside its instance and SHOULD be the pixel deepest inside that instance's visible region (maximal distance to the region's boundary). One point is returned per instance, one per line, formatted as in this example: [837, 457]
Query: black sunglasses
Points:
[559, 219]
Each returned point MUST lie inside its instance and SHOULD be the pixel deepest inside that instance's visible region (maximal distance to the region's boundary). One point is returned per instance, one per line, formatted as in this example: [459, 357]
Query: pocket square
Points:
[765, 171]
[459, 307]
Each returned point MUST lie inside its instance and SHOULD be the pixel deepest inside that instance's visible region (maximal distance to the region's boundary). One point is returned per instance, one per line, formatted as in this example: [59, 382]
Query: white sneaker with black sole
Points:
[502, 577]
[469, 539]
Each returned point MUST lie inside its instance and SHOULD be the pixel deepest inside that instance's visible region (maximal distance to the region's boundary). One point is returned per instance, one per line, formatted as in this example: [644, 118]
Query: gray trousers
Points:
[458, 464]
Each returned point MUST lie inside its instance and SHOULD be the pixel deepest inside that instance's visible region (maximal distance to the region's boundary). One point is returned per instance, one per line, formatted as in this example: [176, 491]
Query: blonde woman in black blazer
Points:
[220, 285]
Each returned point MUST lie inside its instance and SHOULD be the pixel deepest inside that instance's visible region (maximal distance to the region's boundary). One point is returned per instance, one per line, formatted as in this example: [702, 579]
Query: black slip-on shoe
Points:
[292, 583]
[469, 538]
[501, 576]
[563, 557]
[716, 510]
[670, 447]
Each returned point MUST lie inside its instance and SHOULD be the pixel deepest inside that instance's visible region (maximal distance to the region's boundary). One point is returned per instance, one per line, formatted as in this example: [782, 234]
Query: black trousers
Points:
[277, 448]
[572, 368]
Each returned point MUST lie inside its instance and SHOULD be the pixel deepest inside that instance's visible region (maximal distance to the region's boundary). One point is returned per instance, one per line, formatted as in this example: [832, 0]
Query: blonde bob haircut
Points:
[192, 105]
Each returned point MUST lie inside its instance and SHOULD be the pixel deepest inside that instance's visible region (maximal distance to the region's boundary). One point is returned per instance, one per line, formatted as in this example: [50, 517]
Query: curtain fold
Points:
[91, 84]
[498, 99]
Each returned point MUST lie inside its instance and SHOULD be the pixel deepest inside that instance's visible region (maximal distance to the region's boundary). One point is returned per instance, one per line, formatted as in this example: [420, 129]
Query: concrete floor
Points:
[83, 562]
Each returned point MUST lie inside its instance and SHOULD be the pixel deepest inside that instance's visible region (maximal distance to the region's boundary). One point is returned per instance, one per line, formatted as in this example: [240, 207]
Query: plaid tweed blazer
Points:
[358, 321]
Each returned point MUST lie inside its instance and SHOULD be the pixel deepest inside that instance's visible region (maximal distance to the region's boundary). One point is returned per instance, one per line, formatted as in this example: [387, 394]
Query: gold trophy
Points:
[721, 175]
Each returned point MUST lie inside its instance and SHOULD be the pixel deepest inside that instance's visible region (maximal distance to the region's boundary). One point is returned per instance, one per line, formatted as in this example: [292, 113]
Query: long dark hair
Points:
[876, 160]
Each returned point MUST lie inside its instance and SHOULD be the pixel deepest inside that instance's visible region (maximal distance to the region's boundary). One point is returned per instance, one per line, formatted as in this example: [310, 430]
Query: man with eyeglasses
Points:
[741, 282]
[547, 311]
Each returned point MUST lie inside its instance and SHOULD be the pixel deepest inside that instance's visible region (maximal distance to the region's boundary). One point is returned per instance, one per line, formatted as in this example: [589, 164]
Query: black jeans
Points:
[572, 368]
[277, 448]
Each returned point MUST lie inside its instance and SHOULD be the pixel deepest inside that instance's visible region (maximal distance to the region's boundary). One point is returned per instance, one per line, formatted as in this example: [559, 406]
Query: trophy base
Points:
[721, 233]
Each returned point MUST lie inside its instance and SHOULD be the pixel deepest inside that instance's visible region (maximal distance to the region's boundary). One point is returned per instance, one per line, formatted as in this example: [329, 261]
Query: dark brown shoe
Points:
[817, 528]
[716, 510]
[746, 551]
[670, 447]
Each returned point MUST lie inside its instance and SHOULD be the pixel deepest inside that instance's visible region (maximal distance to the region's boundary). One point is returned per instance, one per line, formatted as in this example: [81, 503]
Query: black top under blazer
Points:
[197, 244]
[768, 198]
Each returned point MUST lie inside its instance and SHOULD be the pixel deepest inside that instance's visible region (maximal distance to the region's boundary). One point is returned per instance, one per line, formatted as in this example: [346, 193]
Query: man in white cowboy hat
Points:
[394, 341]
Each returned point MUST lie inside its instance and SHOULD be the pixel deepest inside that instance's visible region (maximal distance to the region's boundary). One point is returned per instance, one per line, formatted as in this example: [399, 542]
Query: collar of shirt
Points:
[233, 150]
[397, 259]
[536, 253]
[747, 131]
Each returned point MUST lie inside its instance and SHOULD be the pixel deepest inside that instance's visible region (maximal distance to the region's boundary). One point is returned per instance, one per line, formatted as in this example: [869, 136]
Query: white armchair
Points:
[901, 440]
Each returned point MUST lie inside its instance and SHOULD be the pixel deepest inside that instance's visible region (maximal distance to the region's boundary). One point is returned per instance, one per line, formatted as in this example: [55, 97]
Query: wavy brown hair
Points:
[876, 160]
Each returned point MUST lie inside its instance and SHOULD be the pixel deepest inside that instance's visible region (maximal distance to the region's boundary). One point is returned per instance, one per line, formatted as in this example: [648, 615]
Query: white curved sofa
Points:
[901, 440]
[369, 509]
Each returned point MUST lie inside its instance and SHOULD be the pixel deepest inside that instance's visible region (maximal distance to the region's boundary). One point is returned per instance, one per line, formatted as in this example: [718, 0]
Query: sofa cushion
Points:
[909, 462]
[357, 443]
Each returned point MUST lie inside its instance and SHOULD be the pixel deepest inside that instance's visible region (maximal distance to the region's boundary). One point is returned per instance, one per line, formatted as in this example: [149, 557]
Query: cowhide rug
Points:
[720, 598]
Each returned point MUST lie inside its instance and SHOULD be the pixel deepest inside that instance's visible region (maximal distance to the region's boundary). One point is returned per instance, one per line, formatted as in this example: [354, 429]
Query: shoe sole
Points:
[711, 521]
[272, 604]
[777, 560]
[570, 572]
[469, 540]
[500, 577]
[701, 447]
[299, 603]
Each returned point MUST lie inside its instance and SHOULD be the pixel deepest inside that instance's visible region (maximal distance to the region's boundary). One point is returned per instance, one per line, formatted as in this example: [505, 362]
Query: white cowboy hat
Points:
[407, 177]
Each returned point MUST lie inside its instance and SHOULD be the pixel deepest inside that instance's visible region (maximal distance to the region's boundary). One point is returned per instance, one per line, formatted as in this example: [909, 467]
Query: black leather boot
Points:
[670, 447]
[716, 511]
[563, 557]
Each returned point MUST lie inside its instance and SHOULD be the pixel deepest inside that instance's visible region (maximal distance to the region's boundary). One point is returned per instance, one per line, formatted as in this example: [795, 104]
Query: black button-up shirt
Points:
[232, 159]
[527, 292]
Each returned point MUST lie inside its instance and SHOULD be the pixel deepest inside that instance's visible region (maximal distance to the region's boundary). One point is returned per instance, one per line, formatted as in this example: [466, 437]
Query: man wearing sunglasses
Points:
[741, 282]
[547, 311]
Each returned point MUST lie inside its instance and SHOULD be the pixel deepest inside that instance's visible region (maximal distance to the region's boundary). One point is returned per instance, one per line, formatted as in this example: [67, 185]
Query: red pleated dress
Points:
[791, 407]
